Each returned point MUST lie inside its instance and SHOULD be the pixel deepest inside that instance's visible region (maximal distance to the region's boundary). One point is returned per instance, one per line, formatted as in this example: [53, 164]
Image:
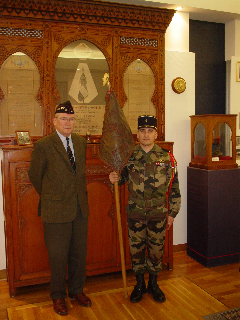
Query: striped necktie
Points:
[70, 155]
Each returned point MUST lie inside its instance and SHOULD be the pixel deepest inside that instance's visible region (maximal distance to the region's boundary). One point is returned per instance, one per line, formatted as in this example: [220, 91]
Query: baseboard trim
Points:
[180, 247]
[3, 274]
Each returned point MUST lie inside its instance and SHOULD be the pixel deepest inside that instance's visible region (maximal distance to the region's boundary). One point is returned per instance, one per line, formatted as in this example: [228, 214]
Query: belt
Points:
[147, 203]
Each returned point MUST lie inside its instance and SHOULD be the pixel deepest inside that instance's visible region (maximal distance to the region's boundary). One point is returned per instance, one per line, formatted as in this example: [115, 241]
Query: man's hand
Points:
[114, 177]
[169, 222]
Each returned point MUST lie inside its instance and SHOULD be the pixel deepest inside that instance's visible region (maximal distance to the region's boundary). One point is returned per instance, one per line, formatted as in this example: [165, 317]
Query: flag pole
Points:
[120, 239]
[113, 124]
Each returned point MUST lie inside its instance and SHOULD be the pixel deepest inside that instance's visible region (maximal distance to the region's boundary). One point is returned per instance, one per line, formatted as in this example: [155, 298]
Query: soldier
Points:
[151, 174]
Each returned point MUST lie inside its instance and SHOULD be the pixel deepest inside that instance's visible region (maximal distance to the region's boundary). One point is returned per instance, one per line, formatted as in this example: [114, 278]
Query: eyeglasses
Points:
[66, 119]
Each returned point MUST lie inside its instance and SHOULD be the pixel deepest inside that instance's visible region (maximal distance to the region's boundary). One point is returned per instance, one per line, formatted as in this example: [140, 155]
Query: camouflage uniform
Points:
[149, 176]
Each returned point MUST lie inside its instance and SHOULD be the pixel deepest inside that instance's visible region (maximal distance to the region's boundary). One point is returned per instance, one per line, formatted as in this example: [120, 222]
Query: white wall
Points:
[232, 6]
[235, 92]
[232, 55]
[177, 34]
[178, 108]
[232, 39]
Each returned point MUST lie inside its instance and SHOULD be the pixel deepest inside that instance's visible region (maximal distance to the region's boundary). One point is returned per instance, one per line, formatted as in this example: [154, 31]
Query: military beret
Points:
[147, 121]
[65, 107]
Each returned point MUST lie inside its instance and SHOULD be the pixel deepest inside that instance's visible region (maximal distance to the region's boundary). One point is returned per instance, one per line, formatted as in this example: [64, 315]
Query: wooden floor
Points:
[192, 291]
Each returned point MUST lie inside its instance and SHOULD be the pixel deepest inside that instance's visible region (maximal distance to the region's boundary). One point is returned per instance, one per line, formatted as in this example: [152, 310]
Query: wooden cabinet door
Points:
[102, 228]
[27, 260]
[30, 254]
[103, 254]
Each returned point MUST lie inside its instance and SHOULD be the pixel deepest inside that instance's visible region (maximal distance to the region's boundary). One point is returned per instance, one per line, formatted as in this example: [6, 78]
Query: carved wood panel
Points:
[41, 29]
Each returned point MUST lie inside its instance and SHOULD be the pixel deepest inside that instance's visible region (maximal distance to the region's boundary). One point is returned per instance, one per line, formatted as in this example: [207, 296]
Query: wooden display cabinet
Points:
[27, 259]
[213, 141]
[213, 180]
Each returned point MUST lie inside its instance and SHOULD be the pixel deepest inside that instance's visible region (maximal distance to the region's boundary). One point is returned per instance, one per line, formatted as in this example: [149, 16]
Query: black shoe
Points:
[139, 289]
[154, 289]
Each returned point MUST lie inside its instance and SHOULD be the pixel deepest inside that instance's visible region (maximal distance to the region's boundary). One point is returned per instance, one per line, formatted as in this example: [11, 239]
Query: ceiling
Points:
[204, 10]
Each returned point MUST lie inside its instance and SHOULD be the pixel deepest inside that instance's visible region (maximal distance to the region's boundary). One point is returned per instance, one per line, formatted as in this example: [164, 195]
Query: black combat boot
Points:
[139, 289]
[154, 289]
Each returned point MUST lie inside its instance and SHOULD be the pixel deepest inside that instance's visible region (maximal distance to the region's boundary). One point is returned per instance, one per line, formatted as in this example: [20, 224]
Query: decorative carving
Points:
[122, 32]
[22, 222]
[138, 42]
[106, 41]
[22, 174]
[93, 12]
[58, 38]
[22, 189]
[11, 32]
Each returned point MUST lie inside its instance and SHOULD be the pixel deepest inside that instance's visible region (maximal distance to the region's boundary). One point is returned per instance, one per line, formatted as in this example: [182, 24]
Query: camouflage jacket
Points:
[149, 176]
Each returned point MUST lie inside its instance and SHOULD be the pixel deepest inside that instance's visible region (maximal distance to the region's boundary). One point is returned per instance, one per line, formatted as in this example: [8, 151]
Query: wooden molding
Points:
[92, 12]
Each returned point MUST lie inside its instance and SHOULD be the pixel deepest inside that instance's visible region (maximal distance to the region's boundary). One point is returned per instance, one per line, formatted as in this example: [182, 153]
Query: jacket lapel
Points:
[79, 152]
[77, 148]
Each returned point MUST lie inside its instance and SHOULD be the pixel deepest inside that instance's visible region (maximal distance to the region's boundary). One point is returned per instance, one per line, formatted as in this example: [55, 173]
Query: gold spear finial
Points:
[106, 80]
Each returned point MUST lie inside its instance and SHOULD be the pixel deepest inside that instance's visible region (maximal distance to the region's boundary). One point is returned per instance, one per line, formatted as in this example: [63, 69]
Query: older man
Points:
[57, 172]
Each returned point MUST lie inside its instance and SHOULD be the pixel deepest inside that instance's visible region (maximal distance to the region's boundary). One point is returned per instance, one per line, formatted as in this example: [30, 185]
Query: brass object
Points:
[179, 85]
[88, 136]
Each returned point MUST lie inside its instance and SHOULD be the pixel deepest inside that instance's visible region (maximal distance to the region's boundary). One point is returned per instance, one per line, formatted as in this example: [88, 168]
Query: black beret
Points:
[65, 107]
[147, 121]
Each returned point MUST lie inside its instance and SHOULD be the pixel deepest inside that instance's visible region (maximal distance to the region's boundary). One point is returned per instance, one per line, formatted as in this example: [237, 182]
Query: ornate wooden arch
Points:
[62, 44]
[41, 28]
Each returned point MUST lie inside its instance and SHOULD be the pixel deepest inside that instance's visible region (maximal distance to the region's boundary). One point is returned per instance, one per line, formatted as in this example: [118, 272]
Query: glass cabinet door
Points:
[20, 110]
[79, 71]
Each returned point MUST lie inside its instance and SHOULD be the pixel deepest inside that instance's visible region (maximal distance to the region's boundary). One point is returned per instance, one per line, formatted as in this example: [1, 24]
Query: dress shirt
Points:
[64, 141]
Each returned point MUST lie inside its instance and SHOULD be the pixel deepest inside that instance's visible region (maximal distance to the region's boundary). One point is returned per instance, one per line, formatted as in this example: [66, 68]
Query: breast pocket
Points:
[160, 175]
[136, 177]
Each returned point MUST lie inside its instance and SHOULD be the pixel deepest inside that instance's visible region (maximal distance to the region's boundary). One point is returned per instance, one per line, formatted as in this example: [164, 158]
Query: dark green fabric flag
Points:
[117, 141]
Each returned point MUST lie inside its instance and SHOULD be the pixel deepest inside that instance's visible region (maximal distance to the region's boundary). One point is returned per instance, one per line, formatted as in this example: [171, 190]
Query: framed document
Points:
[23, 138]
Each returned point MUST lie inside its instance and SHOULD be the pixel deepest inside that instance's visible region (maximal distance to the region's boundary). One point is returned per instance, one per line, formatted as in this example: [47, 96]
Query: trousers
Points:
[146, 241]
[66, 244]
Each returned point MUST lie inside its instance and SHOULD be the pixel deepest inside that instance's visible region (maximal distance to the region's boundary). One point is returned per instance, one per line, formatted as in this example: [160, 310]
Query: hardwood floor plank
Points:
[191, 289]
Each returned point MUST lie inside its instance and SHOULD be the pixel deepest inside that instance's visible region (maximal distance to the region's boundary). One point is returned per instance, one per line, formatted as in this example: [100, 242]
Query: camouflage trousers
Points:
[146, 241]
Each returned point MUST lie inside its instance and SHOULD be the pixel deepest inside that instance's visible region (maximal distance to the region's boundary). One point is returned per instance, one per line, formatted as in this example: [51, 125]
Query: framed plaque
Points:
[23, 138]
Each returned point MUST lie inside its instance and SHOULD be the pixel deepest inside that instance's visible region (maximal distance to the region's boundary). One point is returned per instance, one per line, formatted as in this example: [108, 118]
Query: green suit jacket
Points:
[59, 187]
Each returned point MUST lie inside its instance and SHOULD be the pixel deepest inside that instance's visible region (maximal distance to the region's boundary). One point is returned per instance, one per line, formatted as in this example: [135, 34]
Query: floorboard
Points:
[191, 290]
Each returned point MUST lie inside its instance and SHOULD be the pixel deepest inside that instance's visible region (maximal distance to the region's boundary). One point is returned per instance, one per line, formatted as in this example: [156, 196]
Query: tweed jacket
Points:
[58, 186]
